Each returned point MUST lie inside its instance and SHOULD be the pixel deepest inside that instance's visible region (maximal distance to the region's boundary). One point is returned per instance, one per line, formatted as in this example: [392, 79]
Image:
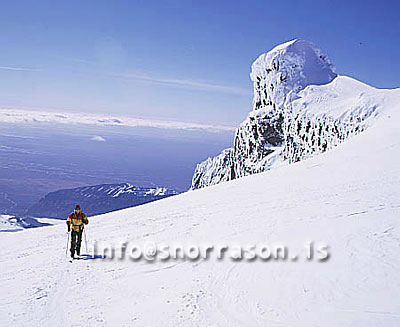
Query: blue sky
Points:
[178, 60]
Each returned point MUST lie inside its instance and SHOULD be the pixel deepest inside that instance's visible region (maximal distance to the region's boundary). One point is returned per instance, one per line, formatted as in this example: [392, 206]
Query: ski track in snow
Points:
[347, 198]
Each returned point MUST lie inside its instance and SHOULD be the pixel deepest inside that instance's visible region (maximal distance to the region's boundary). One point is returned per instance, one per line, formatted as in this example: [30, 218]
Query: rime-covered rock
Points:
[321, 117]
[214, 170]
[288, 67]
[300, 108]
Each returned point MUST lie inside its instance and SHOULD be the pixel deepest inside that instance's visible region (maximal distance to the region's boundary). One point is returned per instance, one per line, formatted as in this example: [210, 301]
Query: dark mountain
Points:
[97, 199]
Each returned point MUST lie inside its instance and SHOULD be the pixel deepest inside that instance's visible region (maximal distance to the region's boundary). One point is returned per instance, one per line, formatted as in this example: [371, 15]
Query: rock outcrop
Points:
[300, 108]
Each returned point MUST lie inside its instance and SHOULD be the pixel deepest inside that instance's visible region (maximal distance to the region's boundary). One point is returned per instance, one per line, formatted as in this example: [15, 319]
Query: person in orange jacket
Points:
[75, 222]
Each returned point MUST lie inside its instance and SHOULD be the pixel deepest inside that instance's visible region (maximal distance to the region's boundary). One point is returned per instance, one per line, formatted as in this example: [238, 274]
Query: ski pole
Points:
[66, 249]
[84, 232]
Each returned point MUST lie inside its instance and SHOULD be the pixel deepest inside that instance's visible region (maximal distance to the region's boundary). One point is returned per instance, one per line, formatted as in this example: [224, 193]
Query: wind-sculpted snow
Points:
[288, 67]
[300, 108]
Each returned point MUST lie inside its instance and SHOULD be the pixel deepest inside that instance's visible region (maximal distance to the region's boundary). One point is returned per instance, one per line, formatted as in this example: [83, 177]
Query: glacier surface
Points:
[347, 198]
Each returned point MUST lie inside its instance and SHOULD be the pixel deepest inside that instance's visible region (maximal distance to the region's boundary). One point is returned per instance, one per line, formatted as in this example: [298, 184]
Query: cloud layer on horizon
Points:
[27, 116]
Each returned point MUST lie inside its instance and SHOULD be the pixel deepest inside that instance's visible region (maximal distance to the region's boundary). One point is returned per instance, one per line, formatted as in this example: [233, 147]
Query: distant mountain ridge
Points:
[96, 199]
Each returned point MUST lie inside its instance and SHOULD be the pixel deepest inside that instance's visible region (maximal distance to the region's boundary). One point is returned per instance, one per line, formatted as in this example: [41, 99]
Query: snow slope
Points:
[347, 198]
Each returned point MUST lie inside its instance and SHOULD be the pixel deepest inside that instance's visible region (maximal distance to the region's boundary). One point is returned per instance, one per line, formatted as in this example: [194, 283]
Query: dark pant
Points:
[76, 239]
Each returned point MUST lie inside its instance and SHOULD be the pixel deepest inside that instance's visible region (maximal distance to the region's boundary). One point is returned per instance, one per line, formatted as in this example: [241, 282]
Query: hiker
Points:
[77, 219]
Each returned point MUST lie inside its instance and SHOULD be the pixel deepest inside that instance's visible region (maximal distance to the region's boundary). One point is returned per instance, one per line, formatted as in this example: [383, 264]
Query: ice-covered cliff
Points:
[301, 107]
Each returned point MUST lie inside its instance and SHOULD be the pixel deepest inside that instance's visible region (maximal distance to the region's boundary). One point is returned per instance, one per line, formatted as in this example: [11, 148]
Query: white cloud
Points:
[19, 69]
[98, 138]
[23, 116]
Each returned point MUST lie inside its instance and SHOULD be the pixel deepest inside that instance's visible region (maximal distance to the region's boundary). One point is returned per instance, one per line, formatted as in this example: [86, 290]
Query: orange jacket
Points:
[77, 221]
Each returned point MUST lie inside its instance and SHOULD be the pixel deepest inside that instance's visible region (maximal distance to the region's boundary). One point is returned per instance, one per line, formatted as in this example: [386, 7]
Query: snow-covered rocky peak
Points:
[300, 108]
[288, 67]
